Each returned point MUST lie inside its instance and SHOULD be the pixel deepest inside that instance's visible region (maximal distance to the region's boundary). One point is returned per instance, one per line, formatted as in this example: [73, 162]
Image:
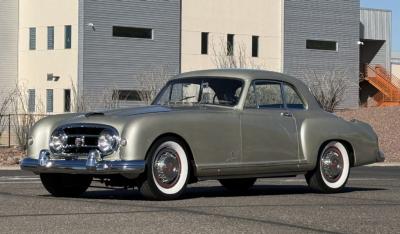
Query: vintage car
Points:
[230, 125]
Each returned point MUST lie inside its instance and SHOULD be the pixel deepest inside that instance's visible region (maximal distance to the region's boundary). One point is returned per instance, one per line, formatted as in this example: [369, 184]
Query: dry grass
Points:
[386, 123]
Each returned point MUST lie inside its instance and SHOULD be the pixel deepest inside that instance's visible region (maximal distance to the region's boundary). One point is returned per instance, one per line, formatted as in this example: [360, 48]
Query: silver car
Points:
[231, 125]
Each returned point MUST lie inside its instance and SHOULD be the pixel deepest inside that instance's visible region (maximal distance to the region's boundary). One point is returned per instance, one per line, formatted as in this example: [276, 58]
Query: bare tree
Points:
[151, 82]
[230, 57]
[111, 99]
[23, 119]
[4, 108]
[79, 102]
[329, 88]
[5, 102]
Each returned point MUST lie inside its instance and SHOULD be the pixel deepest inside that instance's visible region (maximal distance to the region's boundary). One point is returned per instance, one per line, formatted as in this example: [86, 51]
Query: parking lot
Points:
[370, 204]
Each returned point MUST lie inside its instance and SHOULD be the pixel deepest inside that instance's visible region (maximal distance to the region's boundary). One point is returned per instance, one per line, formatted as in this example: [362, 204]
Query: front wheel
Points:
[167, 170]
[66, 185]
[332, 171]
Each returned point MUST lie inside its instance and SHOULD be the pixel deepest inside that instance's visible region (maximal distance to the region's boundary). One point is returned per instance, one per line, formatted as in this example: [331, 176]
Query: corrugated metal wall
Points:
[376, 24]
[107, 62]
[8, 45]
[323, 20]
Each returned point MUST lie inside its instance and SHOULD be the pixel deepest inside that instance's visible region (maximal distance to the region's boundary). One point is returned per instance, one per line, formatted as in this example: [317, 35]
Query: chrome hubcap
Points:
[332, 164]
[167, 167]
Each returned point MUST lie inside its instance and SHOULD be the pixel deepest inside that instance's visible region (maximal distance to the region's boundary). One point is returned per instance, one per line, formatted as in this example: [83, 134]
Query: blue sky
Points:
[394, 6]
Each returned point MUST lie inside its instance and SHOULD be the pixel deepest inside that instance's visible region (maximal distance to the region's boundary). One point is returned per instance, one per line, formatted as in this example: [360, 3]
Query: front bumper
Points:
[90, 166]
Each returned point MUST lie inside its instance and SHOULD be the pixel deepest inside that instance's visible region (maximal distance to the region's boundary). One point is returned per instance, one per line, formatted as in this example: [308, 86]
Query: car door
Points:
[269, 132]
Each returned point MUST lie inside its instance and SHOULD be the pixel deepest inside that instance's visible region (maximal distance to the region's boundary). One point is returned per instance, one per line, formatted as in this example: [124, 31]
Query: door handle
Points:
[286, 114]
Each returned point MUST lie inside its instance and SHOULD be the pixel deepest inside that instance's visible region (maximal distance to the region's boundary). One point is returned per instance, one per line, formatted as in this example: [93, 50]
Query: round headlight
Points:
[58, 141]
[107, 142]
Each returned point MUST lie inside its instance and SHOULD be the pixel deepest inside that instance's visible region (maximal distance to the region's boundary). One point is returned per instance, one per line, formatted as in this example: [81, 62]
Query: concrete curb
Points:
[391, 164]
[10, 168]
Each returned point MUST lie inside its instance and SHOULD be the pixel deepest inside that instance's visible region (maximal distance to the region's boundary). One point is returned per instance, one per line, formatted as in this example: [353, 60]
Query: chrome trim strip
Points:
[79, 166]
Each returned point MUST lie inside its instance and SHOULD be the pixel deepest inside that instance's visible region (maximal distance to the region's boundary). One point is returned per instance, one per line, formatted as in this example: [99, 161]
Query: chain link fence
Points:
[14, 128]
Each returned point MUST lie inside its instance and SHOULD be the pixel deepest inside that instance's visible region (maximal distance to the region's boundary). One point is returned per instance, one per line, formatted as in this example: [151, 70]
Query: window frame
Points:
[281, 85]
[204, 43]
[255, 42]
[32, 38]
[321, 49]
[253, 85]
[230, 46]
[114, 27]
[168, 85]
[131, 95]
[67, 45]
[302, 99]
[50, 38]
[49, 93]
[31, 100]
[67, 102]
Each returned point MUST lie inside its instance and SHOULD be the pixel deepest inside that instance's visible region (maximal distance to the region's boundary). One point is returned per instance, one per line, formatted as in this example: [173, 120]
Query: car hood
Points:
[132, 111]
[152, 109]
[118, 117]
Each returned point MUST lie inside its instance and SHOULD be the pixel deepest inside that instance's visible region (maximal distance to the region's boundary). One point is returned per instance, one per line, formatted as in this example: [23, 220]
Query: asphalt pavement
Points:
[369, 204]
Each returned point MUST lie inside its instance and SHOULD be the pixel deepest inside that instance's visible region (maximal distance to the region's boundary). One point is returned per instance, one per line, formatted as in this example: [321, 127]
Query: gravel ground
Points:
[10, 156]
[386, 123]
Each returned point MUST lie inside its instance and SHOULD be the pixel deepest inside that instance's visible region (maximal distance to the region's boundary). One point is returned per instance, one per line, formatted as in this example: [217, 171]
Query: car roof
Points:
[252, 74]
[246, 74]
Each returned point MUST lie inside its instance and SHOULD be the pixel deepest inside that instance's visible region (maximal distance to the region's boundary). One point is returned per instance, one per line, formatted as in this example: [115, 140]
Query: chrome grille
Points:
[82, 138]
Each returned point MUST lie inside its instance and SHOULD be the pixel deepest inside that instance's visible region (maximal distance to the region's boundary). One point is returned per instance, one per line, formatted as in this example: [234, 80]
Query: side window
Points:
[292, 98]
[264, 95]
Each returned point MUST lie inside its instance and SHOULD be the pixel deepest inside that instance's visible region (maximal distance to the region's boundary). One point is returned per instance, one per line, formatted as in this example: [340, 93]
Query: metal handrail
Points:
[381, 71]
[387, 85]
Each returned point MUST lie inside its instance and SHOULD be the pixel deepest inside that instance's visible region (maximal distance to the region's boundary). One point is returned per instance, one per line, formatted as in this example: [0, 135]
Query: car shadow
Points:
[216, 191]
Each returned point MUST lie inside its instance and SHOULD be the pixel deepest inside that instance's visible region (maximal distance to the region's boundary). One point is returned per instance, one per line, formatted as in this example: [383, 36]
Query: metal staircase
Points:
[387, 84]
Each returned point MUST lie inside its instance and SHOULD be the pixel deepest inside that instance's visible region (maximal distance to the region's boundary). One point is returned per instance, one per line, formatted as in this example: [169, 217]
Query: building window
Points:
[254, 46]
[68, 35]
[146, 33]
[49, 95]
[204, 43]
[50, 38]
[229, 44]
[32, 38]
[127, 95]
[322, 45]
[67, 100]
[31, 100]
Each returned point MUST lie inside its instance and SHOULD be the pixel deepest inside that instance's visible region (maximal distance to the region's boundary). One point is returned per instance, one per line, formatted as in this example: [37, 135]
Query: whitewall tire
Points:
[167, 170]
[332, 170]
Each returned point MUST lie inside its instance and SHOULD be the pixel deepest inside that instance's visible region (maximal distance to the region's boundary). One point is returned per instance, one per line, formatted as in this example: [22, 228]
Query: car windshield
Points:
[192, 91]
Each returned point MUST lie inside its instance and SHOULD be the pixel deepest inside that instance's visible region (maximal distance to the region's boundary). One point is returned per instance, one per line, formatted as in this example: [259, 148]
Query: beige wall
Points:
[261, 18]
[34, 65]
[396, 70]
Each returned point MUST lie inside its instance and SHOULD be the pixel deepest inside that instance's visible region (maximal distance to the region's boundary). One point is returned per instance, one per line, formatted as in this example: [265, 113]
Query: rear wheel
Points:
[65, 185]
[167, 170]
[332, 171]
[238, 185]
